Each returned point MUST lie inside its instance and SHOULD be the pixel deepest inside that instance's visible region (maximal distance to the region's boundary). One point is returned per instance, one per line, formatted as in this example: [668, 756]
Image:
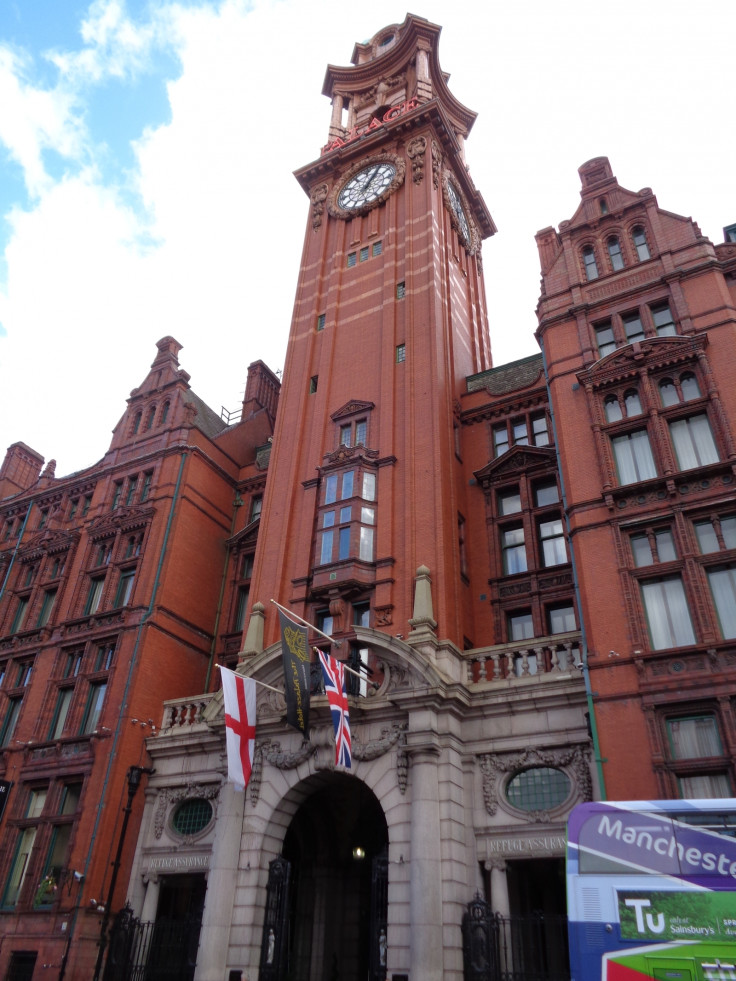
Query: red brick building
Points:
[637, 326]
[111, 582]
[537, 561]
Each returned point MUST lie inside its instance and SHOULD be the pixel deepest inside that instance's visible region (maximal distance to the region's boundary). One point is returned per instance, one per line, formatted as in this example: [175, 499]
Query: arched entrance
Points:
[327, 902]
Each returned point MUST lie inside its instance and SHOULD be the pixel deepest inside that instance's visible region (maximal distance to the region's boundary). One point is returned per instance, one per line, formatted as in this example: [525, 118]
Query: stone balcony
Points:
[536, 657]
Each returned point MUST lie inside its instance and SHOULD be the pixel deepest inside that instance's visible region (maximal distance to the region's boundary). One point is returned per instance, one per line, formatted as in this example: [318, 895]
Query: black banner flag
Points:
[295, 653]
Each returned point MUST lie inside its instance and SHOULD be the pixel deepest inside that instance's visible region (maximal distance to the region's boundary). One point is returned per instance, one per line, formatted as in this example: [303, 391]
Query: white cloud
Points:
[34, 120]
[212, 257]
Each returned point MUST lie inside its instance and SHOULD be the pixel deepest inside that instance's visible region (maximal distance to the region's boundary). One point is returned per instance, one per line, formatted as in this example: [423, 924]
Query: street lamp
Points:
[135, 774]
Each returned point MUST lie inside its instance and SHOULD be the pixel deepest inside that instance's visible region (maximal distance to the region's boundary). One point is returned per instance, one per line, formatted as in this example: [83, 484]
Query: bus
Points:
[651, 890]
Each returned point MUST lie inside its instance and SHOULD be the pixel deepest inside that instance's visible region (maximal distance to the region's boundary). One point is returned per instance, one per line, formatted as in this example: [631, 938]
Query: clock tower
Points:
[365, 479]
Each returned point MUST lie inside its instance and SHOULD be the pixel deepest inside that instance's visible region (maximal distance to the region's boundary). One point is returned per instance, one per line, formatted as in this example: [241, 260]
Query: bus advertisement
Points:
[651, 890]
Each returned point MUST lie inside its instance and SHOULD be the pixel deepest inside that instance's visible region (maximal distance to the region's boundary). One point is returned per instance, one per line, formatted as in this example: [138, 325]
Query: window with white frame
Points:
[589, 263]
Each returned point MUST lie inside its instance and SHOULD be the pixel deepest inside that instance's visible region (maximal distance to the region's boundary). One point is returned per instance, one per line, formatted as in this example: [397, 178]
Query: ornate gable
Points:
[626, 362]
[518, 460]
[351, 408]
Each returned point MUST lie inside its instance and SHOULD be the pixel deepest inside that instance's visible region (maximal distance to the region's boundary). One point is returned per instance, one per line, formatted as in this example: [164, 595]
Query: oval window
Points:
[192, 816]
[538, 789]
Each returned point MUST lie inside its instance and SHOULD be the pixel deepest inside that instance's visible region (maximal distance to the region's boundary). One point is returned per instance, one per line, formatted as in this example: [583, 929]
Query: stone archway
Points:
[336, 847]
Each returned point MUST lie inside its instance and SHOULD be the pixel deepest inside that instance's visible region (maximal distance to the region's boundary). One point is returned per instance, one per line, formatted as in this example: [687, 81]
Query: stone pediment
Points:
[518, 460]
[627, 361]
[121, 518]
[47, 543]
[246, 536]
[352, 408]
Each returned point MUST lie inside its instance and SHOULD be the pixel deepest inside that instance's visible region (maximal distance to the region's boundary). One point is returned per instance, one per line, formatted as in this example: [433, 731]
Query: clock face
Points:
[367, 185]
[457, 207]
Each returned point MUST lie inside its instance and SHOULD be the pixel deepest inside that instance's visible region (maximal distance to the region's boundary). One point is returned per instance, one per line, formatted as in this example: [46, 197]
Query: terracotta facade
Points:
[535, 561]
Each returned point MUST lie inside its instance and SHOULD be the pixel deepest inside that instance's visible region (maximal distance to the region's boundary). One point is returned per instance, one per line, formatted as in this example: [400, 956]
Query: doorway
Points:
[334, 907]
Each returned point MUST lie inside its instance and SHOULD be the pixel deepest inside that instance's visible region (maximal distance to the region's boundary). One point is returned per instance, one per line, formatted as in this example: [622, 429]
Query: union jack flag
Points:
[334, 675]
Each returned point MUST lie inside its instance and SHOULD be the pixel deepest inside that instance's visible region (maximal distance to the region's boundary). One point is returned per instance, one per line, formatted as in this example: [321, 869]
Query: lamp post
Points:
[135, 773]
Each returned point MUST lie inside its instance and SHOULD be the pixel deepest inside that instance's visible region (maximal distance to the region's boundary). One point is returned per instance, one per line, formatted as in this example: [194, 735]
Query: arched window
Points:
[137, 422]
[632, 402]
[640, 243]
[668, 392]
[689, 386]
[612, 409]
[614, 251]
[165, 412]
[151, 416]
[591, 266]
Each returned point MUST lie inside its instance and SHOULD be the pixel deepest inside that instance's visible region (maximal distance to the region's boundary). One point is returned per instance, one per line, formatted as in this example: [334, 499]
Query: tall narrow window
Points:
[125, 587]
[240, 607]
[400, 290]
[552, 540]
[61, 711]
[693, 442]
[604, 338]
[634, 460]
[10, 721]
[667, 613]
[614, 252]
[146, 488]
[20, 614]
[500, 439]
[94, 596]
[640, 243]
[589, 263]
[400, 353]
[130, 494]
[514, 551]
[116, 494]
[723, 586]
[361, 430]
[633, 327]
[93, 709]
[49, 598]
[369, 487]
[663, 321]
[539, 430]
[346, 435]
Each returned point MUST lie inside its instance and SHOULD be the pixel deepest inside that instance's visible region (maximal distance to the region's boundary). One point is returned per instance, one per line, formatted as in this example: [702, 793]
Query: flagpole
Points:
[306, 623]
[337, 643]
[262, 683]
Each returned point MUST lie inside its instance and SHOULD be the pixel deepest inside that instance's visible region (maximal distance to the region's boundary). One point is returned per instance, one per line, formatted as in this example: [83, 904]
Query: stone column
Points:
[500, 904]
[499, 886]
[150, 902]
[425, 889]
[214, 938]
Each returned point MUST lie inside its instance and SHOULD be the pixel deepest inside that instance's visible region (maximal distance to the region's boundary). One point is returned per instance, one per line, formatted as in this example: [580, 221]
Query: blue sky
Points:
[147, 151]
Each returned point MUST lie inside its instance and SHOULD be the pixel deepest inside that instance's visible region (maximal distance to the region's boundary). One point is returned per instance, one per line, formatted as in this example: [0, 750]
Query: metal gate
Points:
[274, 941]
[165, 950]
[514, 948]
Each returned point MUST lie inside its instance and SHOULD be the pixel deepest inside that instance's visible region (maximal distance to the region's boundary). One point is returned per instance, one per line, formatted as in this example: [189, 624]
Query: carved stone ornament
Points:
[378, 747]
[318, 198]
[574, 760]
[174, 795]
[346, 214]
[416, 151]
[437, 161]
[127, 519]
